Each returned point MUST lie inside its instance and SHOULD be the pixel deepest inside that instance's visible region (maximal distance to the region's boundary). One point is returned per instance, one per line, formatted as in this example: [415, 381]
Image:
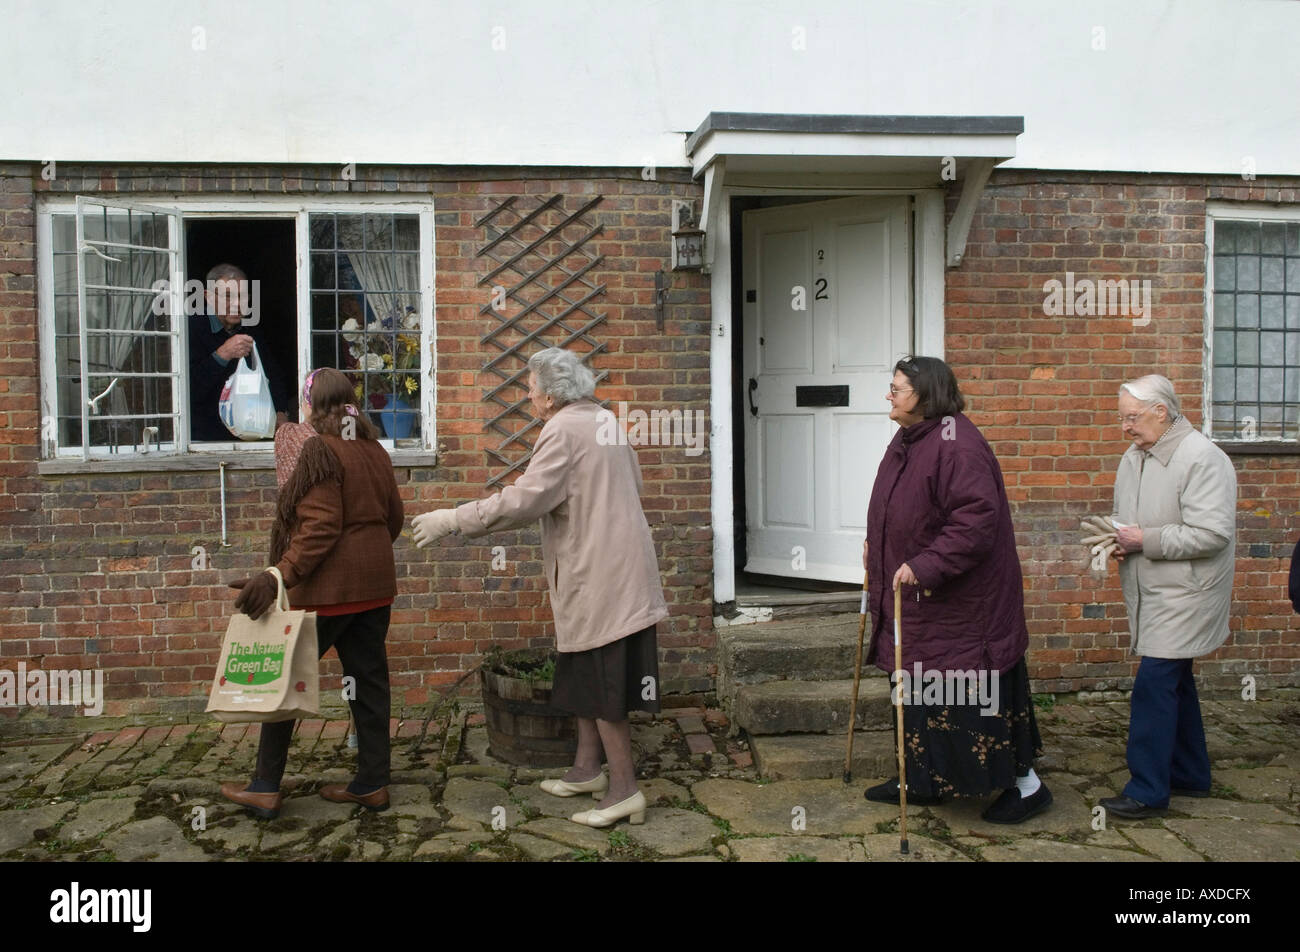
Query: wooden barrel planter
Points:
[523, 728]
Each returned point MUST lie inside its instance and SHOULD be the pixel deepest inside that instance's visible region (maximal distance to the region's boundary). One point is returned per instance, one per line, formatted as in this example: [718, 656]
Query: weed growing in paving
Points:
[619, 840]
[680, 804]
[800, 858]
[586, 856]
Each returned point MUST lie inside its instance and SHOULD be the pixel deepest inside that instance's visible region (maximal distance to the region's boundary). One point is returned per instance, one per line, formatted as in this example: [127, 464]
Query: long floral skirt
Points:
[955, 751]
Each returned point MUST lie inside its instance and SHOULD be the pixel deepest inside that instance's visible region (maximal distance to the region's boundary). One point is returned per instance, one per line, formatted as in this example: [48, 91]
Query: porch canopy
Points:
[788, 150]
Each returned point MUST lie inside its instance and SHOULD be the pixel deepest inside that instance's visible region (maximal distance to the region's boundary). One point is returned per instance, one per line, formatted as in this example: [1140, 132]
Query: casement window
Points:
[124, 318]
[1253, 325]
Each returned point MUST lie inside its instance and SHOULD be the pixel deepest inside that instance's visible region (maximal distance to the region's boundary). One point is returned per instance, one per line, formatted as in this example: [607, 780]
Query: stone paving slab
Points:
[21, 762]
[154, 839]
[703, 808]
[315, 810]
[691, 859]
[662, 791]
[403, 793]
[1053, 851]
[1163, 845]
[234, 835]
[571, 834]
[478, 801]
[449, 844]
[828, 806]
[1214, 808]
[97, 817]
[278, 839]
[671, 832]
[20, 826]
[883, 847]
[537, 848]
[534, 799]
[1270, 784]
[1236, 841]
[785, 849]
[807, 756]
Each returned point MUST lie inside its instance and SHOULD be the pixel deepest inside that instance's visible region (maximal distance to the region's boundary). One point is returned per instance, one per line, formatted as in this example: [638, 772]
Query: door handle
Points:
[753, 385]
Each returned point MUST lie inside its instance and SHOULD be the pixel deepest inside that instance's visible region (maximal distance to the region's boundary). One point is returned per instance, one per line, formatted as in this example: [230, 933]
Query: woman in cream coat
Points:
[1176, 515]
[601, 570]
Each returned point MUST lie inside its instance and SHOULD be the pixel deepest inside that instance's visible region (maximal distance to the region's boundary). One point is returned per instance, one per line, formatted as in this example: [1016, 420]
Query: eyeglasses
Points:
[1131, 418]
[895, 391]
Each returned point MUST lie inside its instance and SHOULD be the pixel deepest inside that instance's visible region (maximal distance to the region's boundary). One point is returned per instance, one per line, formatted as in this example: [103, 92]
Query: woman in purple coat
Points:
[939, 526]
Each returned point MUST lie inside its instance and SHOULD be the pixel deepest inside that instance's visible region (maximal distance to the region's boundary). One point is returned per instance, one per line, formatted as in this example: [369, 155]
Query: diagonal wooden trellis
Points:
[529, 251]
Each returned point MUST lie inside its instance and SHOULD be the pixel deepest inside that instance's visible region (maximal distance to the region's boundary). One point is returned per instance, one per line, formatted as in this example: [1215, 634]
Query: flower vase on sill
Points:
[396, 417]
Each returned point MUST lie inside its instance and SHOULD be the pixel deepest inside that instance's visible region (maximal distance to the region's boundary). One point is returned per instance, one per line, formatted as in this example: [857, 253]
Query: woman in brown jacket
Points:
[337, 518]
[584, 485]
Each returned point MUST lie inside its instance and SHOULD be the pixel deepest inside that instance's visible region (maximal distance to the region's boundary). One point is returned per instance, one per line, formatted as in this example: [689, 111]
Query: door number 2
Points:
[821, 294]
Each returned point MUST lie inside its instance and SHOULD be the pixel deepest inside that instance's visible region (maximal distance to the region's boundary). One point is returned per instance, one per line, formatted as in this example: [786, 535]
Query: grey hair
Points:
[562, 375]
[1154, 389]
[226, 272]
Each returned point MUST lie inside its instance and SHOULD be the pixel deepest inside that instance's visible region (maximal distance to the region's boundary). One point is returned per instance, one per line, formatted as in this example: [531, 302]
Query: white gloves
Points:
[432, 526]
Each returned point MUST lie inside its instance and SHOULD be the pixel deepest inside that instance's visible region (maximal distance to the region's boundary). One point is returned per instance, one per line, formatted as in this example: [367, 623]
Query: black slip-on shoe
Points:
[887, 792]
[1011, 807]
[1130, 809]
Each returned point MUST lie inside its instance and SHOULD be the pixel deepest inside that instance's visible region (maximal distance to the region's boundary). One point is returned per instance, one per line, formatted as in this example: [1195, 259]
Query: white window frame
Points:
[1231, 211]
[297, 209]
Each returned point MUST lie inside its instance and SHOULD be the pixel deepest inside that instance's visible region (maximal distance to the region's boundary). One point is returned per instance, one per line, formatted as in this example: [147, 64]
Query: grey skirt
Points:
[609, 681]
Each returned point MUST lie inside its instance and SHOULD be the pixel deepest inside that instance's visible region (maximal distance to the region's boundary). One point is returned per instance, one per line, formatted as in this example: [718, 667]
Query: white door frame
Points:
[927, 335]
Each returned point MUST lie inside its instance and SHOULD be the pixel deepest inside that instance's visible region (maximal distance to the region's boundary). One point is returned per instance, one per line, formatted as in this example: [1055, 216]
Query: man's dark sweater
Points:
[209, 373]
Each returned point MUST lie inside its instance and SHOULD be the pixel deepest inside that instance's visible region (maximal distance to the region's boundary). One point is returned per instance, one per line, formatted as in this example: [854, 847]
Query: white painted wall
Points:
[1181, 85]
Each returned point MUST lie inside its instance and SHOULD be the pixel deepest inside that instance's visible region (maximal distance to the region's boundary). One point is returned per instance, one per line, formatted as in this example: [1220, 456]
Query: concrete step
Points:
[821, 756]
[812, 707]
[821, 648]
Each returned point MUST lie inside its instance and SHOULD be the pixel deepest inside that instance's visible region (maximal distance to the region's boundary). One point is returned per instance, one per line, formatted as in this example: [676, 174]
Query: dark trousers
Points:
[359, 641]
[1166, 741]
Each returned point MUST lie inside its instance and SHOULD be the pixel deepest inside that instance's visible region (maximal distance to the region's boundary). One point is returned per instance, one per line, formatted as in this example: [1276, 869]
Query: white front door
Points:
[827, 313]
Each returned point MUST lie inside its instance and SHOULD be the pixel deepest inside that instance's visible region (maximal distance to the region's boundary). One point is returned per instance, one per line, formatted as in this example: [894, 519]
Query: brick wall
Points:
[97, 567]
[1043, 391]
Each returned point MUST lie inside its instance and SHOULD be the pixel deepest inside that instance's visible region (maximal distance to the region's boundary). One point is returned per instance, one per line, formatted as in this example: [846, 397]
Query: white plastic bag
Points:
[246, 407]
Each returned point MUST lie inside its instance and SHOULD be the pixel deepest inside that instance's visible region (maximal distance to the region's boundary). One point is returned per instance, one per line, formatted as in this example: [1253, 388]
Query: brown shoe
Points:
[338, 793]
[265, 805]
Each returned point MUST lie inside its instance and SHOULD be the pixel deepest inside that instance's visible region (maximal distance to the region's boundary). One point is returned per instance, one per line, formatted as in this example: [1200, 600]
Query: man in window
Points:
[217, 340]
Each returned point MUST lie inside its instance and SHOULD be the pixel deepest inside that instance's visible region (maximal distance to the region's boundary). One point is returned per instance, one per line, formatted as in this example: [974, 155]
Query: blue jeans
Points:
[1166, 741]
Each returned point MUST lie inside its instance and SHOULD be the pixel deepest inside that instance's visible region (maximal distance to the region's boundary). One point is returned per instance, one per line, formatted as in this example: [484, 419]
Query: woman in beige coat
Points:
[601, 570]
[1176, 516]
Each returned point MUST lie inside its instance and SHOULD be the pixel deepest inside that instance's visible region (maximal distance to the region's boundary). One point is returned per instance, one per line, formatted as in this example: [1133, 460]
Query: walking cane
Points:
[898, 704]
[857, 676]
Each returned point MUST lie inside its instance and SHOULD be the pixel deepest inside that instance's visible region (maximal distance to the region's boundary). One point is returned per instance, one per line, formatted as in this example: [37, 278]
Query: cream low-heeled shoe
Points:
[596, 786]
[633, 808]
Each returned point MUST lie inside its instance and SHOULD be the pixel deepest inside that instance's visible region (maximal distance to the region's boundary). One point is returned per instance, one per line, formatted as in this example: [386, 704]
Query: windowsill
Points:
[199, 462]
[1259, 447]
